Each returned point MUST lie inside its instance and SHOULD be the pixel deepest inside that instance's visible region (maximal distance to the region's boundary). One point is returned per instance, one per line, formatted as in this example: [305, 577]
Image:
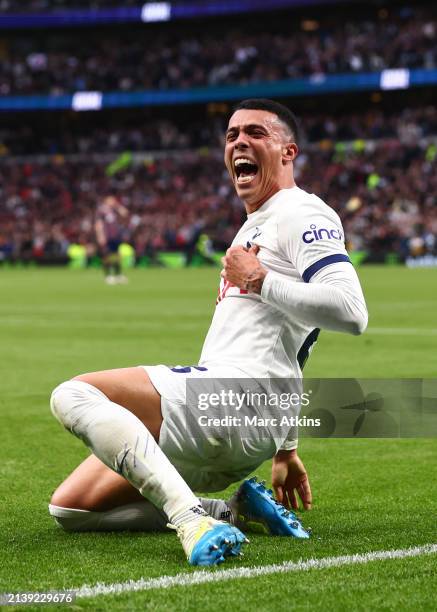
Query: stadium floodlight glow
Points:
[87, 100]
[156, 11]
[395, 78]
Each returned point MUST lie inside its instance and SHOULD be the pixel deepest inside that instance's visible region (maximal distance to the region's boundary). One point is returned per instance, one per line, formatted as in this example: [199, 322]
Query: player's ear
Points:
[289, 152]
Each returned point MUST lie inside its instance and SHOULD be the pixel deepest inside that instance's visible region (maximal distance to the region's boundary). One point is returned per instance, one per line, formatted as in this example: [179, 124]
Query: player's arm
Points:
[330, 296]
[100, 233]
[332, 299]
[122, 210]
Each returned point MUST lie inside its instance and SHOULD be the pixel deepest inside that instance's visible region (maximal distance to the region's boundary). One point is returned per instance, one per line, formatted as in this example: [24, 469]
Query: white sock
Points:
[137, 516]
[218, 509]
[122, 442]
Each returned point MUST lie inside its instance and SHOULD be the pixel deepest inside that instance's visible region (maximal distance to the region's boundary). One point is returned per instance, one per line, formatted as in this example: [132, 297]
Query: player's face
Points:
[258, 155]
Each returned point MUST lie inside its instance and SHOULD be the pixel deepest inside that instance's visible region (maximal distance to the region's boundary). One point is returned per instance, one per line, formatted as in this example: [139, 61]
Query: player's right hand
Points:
[242, 268]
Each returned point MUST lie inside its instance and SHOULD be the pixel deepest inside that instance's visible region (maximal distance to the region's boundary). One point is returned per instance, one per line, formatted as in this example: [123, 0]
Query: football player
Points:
[110, 219]
[286, 276]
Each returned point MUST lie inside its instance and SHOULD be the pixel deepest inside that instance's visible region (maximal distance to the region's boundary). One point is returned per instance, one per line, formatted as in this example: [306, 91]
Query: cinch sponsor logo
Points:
[319, 234]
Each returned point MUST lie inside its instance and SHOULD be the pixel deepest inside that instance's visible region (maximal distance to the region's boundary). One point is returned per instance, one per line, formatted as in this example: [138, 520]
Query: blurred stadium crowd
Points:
[384, 190]
[406, 126]
[120, 60]
[377, 168]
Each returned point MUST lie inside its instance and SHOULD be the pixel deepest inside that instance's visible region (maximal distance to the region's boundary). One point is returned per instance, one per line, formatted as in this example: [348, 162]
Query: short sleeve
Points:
[311, 237]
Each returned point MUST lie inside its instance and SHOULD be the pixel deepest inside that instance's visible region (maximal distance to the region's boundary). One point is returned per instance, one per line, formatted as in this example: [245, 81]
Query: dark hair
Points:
[283, 113]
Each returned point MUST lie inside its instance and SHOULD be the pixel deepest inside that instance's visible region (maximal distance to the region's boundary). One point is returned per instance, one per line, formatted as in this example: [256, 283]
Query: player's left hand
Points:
[289, 477]
[242, 268]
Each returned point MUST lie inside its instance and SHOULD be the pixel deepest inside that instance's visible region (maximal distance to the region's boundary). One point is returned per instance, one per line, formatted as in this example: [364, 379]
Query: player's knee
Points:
[59, 400]
[72, 497]
[59, 499]
[64, 497]
[360, 323]
[69, 400]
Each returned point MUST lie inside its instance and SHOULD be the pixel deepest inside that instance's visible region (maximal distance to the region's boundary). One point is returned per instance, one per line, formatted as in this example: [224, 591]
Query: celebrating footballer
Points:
[286, 276]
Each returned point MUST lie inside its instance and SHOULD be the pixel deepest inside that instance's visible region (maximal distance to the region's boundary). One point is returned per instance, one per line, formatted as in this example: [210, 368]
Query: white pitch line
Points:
[205, 576]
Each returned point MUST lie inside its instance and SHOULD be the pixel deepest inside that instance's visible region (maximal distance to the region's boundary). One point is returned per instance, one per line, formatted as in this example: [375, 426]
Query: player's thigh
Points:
[132, 389]
[93, 486]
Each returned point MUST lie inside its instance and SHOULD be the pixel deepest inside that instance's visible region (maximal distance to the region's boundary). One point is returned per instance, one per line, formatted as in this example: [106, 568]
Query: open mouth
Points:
[245, 170]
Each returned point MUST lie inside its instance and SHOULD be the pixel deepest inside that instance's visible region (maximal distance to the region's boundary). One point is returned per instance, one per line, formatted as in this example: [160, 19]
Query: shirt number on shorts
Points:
[187, 369]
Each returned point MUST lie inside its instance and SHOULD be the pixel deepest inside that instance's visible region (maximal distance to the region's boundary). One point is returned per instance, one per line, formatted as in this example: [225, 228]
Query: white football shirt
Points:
[298, 235]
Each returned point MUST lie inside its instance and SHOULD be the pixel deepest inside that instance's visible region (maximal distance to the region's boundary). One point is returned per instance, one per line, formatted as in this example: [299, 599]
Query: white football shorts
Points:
[207, 460]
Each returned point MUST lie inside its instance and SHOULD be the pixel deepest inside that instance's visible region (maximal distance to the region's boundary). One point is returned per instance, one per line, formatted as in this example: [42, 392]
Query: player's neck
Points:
[252, 205]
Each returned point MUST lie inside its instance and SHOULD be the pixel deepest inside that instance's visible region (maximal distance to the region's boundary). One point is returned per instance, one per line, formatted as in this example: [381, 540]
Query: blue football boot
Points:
[210, 542]
[255, 509]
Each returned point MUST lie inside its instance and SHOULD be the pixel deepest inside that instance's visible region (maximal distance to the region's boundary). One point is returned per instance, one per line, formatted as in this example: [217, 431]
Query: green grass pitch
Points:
[369, 495]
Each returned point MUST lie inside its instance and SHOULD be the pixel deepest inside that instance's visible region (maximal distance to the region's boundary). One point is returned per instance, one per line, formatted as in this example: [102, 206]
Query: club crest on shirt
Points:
[257, 233]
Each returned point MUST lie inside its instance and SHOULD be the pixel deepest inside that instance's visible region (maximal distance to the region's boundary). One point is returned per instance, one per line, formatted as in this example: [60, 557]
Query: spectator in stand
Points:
[151, 134]
[382, 191]
[55, 64]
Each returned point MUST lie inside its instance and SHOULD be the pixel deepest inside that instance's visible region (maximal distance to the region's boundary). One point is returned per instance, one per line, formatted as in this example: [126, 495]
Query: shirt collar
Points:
[271, 201]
